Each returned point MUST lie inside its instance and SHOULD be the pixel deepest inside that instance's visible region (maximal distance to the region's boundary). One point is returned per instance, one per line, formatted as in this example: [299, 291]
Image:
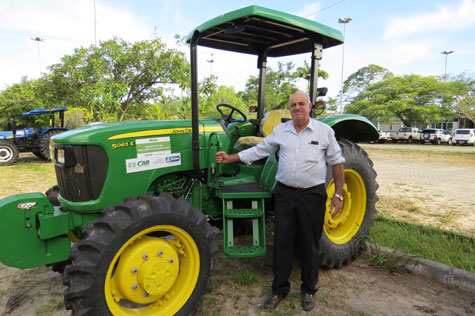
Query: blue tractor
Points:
[35, 140]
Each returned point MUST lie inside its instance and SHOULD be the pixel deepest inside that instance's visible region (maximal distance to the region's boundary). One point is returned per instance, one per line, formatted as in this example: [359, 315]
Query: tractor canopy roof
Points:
[254, 29]
[46, 110]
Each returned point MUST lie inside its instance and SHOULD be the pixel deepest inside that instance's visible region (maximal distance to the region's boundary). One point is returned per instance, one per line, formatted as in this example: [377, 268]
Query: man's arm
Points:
[223, 157]
[339, 179]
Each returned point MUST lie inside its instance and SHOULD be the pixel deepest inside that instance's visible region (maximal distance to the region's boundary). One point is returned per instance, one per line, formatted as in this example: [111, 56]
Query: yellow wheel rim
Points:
[152, 275]
[346, 224]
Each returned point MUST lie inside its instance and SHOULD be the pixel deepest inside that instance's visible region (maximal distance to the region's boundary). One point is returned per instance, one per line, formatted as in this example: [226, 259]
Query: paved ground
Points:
[428, 147]
[442, 184]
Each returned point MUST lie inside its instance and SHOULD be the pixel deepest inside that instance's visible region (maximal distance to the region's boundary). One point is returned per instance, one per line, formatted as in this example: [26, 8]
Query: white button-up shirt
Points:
[303, 156]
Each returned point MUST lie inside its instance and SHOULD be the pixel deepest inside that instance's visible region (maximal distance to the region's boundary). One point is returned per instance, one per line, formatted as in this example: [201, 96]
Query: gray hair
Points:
[304, 93]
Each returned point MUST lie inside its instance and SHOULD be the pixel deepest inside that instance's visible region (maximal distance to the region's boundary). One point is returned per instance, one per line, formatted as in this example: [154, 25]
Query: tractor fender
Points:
[352, 127]
[32, 231]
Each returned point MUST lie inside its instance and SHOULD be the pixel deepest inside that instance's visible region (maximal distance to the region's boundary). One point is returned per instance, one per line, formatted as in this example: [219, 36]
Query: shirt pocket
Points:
[314, 152]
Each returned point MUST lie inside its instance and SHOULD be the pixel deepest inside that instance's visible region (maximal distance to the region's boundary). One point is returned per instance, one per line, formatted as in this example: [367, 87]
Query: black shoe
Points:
[308, 302]
[272, 302]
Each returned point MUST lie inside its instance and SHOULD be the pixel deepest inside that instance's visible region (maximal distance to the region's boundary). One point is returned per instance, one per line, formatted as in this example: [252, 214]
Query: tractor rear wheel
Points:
[147, 256]
[44, 144]
[344, 235]
[8, 153]
[39, 154]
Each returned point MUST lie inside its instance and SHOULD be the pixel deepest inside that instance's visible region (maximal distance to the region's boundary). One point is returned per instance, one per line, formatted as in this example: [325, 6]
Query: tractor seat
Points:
[267, 124]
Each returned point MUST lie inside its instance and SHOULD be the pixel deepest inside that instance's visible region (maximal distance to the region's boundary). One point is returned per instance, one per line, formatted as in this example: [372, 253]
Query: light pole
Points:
[211, 61]
[95, 33]
[38, 40]
[446, 53]
[344, 21]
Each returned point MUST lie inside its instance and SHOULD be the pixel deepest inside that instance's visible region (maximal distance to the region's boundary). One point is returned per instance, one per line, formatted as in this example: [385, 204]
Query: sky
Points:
[404, 36]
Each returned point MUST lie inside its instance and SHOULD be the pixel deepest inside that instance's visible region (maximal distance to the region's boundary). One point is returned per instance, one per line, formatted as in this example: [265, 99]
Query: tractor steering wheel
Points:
[228, 118]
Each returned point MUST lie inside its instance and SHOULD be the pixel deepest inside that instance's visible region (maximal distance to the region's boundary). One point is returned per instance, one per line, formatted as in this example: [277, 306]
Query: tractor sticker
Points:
[153, 153]
[123, 145]
[167, 131]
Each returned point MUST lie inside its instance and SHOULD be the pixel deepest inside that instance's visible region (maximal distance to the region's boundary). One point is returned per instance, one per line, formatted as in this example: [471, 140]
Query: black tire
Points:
[8, 153]
[52, 195]
[437, 141]
[39, 154]
[44, 143]
[340, 244]
[409, 140]
[449, 142]
[101, 273]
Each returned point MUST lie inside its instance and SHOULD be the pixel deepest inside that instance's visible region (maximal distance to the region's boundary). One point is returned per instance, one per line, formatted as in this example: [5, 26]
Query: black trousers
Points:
[297, 213]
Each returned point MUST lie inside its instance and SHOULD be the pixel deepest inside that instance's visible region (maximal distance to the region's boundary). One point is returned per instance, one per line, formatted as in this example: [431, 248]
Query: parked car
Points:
[436, 136]
[384, 136]
[406, 134]
[464, 136]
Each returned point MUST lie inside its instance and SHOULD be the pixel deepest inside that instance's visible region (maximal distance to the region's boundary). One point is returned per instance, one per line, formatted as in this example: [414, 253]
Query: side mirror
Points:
[252, 109]
[321, 92]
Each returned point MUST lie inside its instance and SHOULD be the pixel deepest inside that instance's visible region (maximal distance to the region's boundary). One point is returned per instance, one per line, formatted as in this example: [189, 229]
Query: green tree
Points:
[117, 80]
[22, 97]
[411, 98]
[463, 87]
[359, 81]
[280, 84]
[304, 72]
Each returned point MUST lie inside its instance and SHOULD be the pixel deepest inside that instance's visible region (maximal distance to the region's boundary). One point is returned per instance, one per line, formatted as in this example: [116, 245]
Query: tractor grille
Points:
[83, 181]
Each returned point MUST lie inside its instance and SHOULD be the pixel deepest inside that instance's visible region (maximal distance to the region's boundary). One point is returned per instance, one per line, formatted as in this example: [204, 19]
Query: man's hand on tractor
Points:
[223, 157]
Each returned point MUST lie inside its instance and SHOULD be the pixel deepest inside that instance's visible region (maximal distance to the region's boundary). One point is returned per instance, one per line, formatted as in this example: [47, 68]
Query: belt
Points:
[299, 188]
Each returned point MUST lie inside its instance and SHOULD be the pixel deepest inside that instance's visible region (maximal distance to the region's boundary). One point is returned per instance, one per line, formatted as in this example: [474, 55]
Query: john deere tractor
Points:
[35, 140]
[135, 200]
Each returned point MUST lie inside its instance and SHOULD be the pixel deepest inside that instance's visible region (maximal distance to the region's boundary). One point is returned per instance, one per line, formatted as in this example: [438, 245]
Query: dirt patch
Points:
[356, 289]
[427, 186]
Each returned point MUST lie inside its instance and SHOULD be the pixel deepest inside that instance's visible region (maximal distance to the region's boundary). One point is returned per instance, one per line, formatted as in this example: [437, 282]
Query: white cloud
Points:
[445, 18]
[71, 21]
[310, 11]
[64, 26]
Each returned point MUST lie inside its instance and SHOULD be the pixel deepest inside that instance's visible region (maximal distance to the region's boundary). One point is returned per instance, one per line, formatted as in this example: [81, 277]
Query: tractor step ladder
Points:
[257, 215]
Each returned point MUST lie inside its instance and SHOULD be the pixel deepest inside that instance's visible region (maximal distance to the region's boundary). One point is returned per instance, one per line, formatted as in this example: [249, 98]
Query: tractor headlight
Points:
[60, 157]
[51, 152]
[63, 156]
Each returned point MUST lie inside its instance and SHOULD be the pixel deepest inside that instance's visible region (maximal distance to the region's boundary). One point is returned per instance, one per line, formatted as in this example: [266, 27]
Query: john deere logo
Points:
[143, 163]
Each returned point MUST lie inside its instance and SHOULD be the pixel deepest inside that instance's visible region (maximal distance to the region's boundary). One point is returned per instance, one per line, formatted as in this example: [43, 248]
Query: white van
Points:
[464, 136]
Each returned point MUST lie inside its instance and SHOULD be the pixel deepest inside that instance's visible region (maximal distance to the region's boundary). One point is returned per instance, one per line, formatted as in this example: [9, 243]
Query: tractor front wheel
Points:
[147, 256]
[8, 153]
[344, 234]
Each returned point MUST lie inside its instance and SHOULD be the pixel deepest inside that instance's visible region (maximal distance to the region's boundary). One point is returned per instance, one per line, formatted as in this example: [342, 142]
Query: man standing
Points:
[306, 147]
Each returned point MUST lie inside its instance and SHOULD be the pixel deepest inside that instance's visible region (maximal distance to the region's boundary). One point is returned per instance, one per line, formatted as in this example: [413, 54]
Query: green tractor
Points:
[135, 200]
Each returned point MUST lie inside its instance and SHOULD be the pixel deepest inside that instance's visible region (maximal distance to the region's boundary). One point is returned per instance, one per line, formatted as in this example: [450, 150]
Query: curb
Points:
[452, 277]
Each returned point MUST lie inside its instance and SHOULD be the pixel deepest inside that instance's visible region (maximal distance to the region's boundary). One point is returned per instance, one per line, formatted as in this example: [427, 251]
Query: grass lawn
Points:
[426, 242]
[29, 174]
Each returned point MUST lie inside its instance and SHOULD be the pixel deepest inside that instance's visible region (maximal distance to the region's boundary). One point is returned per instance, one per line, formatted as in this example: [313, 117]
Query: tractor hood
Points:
[98, 134]
[352, 127]
[19, 133]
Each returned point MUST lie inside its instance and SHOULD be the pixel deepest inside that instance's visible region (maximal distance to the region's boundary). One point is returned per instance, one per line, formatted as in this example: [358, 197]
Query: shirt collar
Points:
[289, 126]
